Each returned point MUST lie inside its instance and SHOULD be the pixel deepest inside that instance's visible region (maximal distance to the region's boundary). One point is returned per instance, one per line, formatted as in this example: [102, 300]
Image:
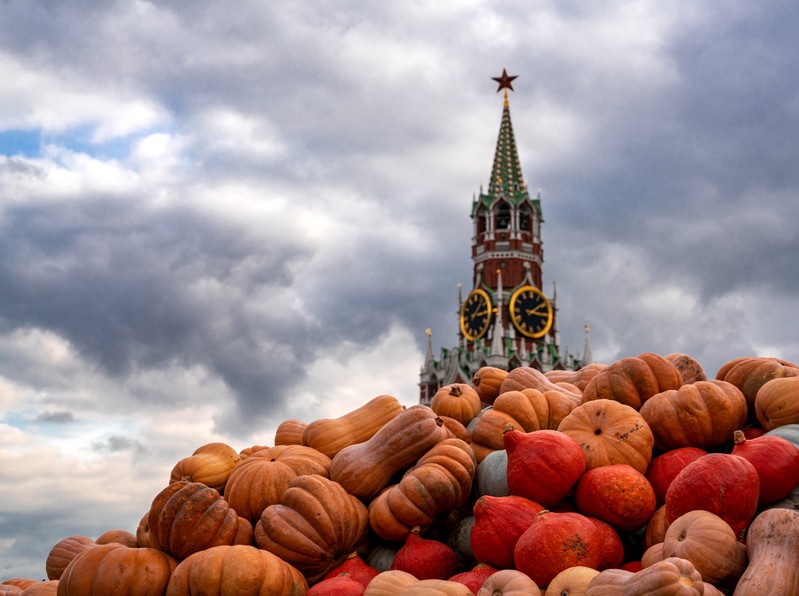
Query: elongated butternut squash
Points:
[364, 469]
[331, 435]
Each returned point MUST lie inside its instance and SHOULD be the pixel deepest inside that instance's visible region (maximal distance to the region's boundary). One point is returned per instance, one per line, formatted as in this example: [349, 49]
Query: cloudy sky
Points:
[217, 217]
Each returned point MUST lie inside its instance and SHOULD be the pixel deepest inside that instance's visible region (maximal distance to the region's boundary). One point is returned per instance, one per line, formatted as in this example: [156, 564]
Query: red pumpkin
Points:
[543, 465]
[665, 467]
[776, 461]
[475, 577]
[619, 495]
[557, 541]
[612, 547]
[724, 484]
[424, 558]
[357, 569]
[339, 585]
[498, 524]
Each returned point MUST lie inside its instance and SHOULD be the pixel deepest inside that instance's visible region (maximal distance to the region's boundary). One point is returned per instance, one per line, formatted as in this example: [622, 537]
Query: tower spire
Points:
[506, 174]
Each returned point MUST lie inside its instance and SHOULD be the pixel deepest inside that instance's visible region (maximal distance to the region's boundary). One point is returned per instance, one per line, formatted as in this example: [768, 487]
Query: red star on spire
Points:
[505, 81]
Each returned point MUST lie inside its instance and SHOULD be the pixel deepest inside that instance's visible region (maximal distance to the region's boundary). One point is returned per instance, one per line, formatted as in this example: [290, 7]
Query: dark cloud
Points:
[60, 417]
[117, 443]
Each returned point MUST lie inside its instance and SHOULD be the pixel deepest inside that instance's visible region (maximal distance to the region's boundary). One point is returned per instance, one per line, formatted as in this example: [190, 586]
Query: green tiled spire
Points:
[506, 175]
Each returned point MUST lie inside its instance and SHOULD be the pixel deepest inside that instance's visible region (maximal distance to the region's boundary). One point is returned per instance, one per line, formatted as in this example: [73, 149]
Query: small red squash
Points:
[543, 465]
[425, 558]
[619, 495]
[339, 585]
[475, 577]
[665, 467]
[776, 461]
[357, 569]
[498, 524]
[724, 484]
[557, 541]
[612, 546]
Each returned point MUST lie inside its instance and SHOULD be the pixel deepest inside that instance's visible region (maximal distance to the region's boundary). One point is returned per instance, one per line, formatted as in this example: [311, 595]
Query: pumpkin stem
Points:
[738, 437]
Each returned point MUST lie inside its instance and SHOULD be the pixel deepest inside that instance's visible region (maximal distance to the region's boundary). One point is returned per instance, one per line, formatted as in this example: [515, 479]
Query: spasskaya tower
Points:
[505, 319]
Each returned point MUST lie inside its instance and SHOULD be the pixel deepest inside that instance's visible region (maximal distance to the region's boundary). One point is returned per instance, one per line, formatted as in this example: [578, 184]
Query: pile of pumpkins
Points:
[637, 477]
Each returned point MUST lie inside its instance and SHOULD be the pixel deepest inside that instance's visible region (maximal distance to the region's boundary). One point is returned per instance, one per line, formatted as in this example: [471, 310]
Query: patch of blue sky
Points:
[25, 143]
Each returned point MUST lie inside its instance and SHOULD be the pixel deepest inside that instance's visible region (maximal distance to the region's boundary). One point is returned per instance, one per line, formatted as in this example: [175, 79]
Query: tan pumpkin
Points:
[210, 464]
[441, 481]
[42, 588]
[610, 432]
[20, 582]
[331, 435]
[703, 414]
[289, 432]
[528, 410]
[771, 545]
[652, 555]
[62, 553]
[690, 369]
[777, 403]
[571, 582]
[261, 479]
[670, 576]
[238, 569]
[367, 468]
[9, 590]
[579, 378]
[487, 381]
[633, 380]
[394, 582]
[656, 528]
[316, 525]
[509, 582]
[749, 374]
[119, 536]
[459, 401]
[117, 569]
[710, 544]
[187, 517]
[526, 377]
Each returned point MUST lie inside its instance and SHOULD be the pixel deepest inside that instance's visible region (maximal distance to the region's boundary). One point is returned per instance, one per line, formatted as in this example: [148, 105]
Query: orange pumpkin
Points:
[118, 536]
[187, 517]
[42, 588]
[610, 432]
[237, 569]
[261, 479]
[703, 414]
[777, 402]
[487, 381]
[458, 401]
[633, 380]
[669, 576]
[289, 432]
[749, 374]
[316, 525]
[579, 378]
[210, 464]
[117, 569]
[62, 553]
[690, 369]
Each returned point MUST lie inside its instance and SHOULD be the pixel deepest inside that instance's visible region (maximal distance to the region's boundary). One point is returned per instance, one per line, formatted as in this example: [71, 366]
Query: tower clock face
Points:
[475, 315]
[530, 312]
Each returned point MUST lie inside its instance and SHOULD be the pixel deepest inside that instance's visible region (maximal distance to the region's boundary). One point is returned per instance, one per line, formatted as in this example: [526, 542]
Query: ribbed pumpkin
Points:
[749, 374]
[777, 403]
[210, 464]
[459, 401]
[116, 569]
[439, 482]
[238, 569]
[617, 494]
[670, 576]
[316, 525]
[289, 432]
[703, 414]
[261, 479]
[63, 552]
[487, 381]
[395, 581]
[10, 590]
[509, 582]
[633, 380]
[42, 588]
[526, 377]
[187, 517]
[776, 461]
[610, 432]
[710, 544]
[557, 541]
[119, 536]
[579, 378]
[543, 466]
[689, 368]
[724, 484]
[498, 524]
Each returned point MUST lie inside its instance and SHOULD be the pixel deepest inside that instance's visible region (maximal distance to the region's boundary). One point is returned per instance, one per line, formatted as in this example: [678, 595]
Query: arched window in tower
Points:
[503, 216]
[480, 225]
[526, 220]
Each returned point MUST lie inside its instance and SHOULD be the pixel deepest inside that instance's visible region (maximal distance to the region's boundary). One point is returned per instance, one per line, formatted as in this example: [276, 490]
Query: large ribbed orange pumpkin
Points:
[316, 525]
[210, 464]
[238, 569]
[610, 432]
[259, 481]
[703, 414]
[116, 569]
[749, 374]
[187, 517]
[777, 403]
[63, 552]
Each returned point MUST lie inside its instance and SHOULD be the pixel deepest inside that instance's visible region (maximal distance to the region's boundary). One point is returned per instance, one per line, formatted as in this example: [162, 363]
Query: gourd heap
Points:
[640, 476]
